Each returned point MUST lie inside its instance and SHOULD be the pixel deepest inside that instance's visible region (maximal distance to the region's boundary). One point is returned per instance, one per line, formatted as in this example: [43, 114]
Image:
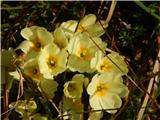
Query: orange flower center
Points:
[38, 44]
[51, 62]
[101, 89]
[34, 73]
[105, 66]
[81, 29]
[83, 53]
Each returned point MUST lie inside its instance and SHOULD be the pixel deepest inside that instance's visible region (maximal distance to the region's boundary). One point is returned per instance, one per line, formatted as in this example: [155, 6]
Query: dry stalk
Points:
[113, 5]
[150, 87]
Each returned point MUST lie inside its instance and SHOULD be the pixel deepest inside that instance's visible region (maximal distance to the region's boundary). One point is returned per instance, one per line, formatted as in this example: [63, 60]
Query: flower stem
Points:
[148, 10]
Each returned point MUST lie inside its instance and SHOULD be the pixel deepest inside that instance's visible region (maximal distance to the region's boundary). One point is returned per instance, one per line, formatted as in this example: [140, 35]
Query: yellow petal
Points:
[95, 115]
[110, 101]
[69, 27]
[49, 86]
[95, 60]
[26, 33]
[89, 19]
[52, 61]
[91, 89]
[76, 64]
[25, 46]
[60, 38]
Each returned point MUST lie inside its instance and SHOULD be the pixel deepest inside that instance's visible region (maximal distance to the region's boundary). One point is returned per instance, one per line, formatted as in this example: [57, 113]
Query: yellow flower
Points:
[49, 86]
[73, 107]
[105, 91]
[82, 49]
[31, 68]
[69, 27]
[73, 89]
[37, 37]
[52, 61]
[87, 25]
[103, 64]
[24, 107]
[60, 38]
[25, 46]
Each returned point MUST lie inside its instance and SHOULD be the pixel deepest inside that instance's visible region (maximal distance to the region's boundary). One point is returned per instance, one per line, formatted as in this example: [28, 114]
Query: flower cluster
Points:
[74, 48]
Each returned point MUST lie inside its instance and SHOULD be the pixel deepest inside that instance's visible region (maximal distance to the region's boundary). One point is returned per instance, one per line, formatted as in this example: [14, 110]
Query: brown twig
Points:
[5, 102]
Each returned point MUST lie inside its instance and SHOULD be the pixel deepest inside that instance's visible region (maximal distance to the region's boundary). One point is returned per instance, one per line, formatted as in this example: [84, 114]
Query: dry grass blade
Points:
[150, 87]
[20, 93]
[113, 5]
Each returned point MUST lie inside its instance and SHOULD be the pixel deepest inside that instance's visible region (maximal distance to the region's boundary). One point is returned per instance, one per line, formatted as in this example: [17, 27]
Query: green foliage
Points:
[130, 36]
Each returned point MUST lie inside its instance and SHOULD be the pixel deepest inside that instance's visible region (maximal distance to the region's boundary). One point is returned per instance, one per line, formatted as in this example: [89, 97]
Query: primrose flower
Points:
[49, 86]
[74, 88]
[69, 27]
[82, 49]
[24, 106]
[37, 37]
[103, 64]
[60, 38]
[105, 91]
[73, 107]
[25, 46]
[52, 61]
[87, 25]
[31, 68]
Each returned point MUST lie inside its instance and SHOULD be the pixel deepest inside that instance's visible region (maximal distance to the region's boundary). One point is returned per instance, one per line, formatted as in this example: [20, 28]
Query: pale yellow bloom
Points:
[60, 38]
[73, 107]
[74, 88]
[82, 49]
[25, 46]
[31, 68]
[49, 86]
[103, 64]
[24, 107]
[37, 37]
[69, 27]
[27, 108]
[52, 61]
[87, 25]
[105, 91]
